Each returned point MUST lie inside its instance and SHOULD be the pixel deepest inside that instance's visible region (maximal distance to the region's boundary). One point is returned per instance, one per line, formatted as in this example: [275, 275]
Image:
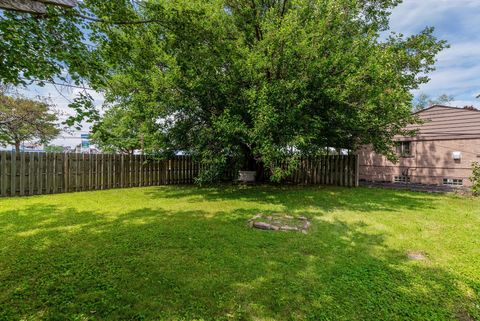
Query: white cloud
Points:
[458, 67]
[461, 53]
[413, 15]
[454, 80]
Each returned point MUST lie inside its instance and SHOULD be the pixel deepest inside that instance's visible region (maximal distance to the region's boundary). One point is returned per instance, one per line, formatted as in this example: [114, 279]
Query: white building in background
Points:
[77, 143]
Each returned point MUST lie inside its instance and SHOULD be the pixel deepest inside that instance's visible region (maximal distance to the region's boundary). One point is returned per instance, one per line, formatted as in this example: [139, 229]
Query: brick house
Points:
[446, 144]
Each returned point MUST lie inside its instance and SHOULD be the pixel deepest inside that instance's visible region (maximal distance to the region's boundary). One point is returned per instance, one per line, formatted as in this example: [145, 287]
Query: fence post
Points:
[90, 172]
[122, 170]
[21, 177]
[351, 170]
[54, 174]
[357, 171]
[342, 170]
[157, 172]
[65, 172]
[3, 172]
[40, 174]
[13, 174]
[31, 169]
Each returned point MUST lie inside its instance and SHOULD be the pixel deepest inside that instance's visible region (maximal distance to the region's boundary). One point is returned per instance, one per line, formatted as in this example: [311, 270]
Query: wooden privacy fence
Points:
[339, 170]
[49, 173]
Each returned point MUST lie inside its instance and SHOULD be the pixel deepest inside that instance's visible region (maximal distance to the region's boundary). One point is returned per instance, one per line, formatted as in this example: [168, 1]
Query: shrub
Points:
[475, 178]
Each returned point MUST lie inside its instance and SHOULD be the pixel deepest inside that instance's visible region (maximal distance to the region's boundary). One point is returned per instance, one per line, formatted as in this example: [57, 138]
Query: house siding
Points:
[444, 131]
[447, 123]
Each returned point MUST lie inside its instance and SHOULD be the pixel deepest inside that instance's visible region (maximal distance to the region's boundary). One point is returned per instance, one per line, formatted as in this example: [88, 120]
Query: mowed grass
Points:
[183, 253]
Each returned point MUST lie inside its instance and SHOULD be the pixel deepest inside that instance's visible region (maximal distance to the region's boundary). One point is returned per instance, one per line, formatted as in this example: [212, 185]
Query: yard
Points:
[182, 253]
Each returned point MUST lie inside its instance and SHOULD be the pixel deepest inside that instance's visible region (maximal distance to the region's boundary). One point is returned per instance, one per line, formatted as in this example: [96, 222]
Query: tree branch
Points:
[258, 31]
[118, 22]
[93, 19]
[283, 8]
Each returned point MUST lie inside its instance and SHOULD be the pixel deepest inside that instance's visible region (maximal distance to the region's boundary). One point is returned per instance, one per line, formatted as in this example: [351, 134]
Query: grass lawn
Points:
[182, 253]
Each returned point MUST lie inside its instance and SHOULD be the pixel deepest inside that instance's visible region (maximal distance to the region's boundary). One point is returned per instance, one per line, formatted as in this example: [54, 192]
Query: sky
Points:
[60, 97]
[457, 70]
[458, 22]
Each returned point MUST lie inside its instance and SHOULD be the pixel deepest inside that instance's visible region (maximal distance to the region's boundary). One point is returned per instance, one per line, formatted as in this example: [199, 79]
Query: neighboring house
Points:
[446, 144]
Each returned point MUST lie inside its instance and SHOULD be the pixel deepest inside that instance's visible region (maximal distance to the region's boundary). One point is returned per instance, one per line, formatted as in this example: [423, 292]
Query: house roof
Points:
[443, 106]
[446, 122]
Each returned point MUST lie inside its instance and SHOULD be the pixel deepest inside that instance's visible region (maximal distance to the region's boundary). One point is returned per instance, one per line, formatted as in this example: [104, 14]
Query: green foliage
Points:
[475, 178]
[214, 167]
[117, 132]
[44, 48]
[23, 119]
[254, 80]
[53, 149]
[84, 110]
[186, 253]
[423, 101]
[247, 80]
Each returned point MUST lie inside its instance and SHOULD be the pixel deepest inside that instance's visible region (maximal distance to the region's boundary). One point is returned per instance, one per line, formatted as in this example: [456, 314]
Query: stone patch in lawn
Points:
[280, 222]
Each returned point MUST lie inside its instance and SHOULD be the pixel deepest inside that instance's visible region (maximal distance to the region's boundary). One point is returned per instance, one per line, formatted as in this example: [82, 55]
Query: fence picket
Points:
[54, 173]
[40, 174]
[47, 173]
[21, 180]
[66, 172]
[3, 173]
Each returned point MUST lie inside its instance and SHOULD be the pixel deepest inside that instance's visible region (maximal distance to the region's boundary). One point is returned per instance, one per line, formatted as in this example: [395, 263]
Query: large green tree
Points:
[261, 81]
[23, 119]
[258, 82]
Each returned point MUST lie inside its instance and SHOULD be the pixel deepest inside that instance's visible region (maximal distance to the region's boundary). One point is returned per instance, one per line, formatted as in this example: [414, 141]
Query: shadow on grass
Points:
[294, 198]
[154, 264]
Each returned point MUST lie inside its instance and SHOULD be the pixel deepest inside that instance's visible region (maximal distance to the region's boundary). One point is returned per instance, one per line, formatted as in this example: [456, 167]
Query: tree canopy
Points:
[256, 82]
[47, 47]
[23, 119]
[118, 131]
[423, 101]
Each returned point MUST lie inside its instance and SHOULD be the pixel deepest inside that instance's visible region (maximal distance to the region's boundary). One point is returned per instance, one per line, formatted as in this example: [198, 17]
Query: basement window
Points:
[453, 181]
[401, 179]
[403, 149]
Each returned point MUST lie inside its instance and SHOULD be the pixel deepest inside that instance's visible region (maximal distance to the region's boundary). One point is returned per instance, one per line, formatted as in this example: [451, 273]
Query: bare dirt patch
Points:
[463, 315]
[416, 256]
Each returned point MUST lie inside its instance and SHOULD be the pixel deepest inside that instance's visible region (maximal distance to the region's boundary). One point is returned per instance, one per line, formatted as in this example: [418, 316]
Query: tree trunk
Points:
[251, 163]
[17, 146]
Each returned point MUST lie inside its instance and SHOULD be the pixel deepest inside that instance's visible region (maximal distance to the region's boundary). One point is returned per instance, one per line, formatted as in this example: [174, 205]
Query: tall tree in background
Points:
[118, 132]
[424, 101]
[253, 80]
[23, 119]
